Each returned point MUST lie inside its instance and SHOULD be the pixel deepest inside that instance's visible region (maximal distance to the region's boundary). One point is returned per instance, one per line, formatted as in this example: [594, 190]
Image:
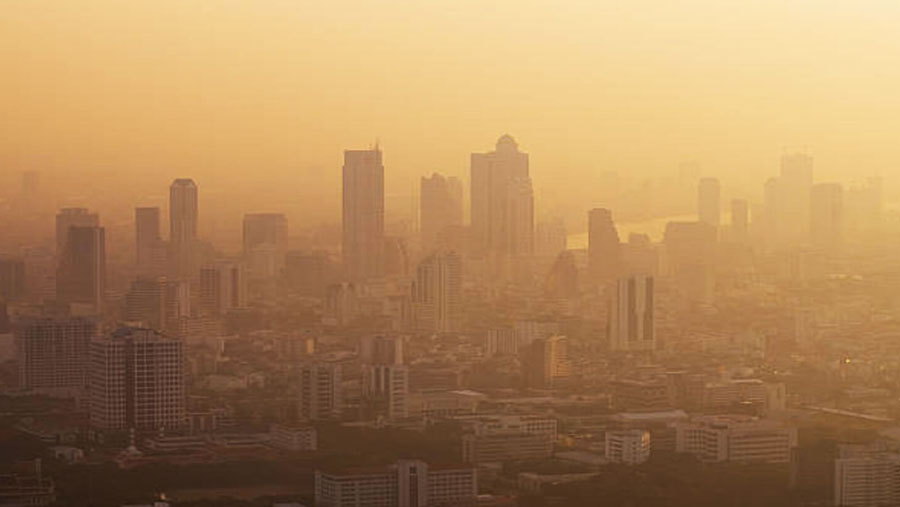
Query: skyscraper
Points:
[146, 304]
[81, 275]
[363, 214]
[222, 287]
[740, 218]
[137, 381]
[72, 217]
[183, 211]
[794, 196]
[437, 293]
[631, 315]
[12, 279]
[440, 207]
[604, 250]
[320, 391]
[502, 201]
[709, 201]
[150, 253]
[386, 389]
[827, 215]
[53, 352]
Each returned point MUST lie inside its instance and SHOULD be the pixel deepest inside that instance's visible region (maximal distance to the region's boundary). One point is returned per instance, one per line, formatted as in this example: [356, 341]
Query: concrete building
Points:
[72, 217]
[150, 249]
[386, 389]
[81, 275]
[53, 354]
[506, 446]
[604, 249]
[629, 447]
[867, 475]
[736, 439]
[12, 279]
[265, 247]
[437, 293]
[320, 391]
[363, 214]
[632, 326]
[137, 381]
[546, 364]
[293, 438]
[223, 287]
[407, 483]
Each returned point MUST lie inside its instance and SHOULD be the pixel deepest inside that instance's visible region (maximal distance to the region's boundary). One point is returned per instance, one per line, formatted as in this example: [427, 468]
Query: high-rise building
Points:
[604, 250]
[740, 218]
[502, 201]
[81, 275]
[222, 287]
[386, 389]
[379, 349]
[72, 217]
[709, 201]
[265, 245]
[867, 475]
[437, 293]
[546, 362]
[827, 215]
[137, 381]
[146, 304]
[562, 280]
[53, 352]
[550, 239]
[440, 207]
[363, 214]
[631, 315]
[408, 483]
[183, 212]
[691, 254]
[795, 187]
[341, 304]
[320, 391]
[150, 250]
[12, 279]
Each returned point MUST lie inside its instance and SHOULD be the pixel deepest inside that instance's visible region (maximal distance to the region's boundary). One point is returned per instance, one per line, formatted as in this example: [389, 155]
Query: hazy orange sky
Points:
[233, 90]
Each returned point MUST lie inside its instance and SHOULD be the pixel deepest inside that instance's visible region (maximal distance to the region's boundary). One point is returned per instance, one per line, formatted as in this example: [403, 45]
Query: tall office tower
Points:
[53, 353]
[81, 276]
[740, 218]
[396, 257]
[183, 211]
[437, 293]
[72, 217]
[795, 193]
[691, 253]
[320, 392]
[546, 362]
[709, 201]
[604, 250]
[827, 215]
[265, 245]
[146, 304]
[341, 304]
[631, 317]
[550, 239]
[378, 349]
[500, 187]
[440, 207]
[386, 389]
[222, 287]
[640, 255]
[137, 381]
[150, 250]
[562, 280]
[12, 279]
[363, 214]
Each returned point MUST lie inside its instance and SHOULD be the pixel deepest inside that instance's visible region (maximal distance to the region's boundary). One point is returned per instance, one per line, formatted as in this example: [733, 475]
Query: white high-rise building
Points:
[867, 475]
[437, 294]
[363, 214]
[320, 391]
[386, 386]
[137, 381]
[223, 287]
[631, 315]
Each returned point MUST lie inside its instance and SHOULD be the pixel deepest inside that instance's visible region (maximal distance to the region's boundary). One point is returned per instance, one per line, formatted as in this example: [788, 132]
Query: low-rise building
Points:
[734, 438]
[291, 438]
[630, 447]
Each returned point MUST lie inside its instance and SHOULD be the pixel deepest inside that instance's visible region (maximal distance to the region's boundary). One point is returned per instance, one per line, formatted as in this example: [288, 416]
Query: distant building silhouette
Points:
[81, 276]
[53, 353]
[691, 253]
[265, 246]
[183, 215]
[709, 201]
[320, 391]
[604, 250]
[440, 207]
[12, 279]
[827, 215]
[223, 287]
[437, 293]
[740, 218]
[631, 315]
[72, 217]
[150, 250]
[363, 214]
